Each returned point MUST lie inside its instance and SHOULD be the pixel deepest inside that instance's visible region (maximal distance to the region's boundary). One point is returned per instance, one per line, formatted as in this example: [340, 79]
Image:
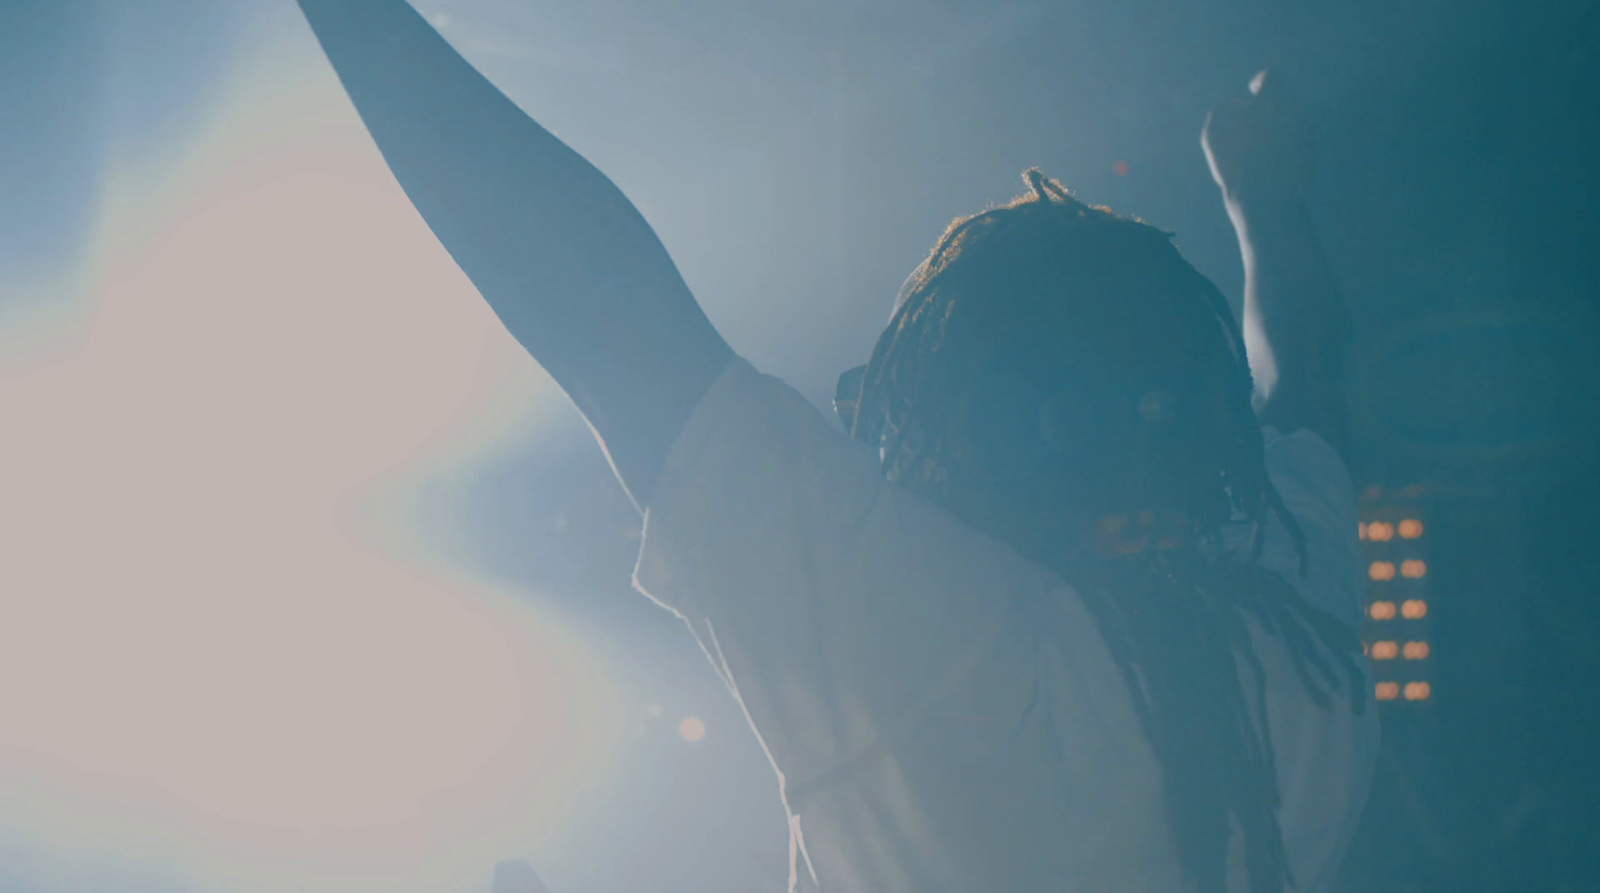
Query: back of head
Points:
[1052, 364]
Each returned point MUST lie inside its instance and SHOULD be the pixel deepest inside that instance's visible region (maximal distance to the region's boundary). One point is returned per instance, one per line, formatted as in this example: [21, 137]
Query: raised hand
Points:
[566, 261]
[1261, 146]
[1262, 153]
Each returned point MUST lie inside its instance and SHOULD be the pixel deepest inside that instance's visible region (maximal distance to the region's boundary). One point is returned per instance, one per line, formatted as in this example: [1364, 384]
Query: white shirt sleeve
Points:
[910, 678]
[942, 714]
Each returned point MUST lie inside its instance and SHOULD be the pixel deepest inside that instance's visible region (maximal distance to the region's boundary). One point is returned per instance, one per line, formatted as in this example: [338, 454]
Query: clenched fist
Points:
[1260, 148]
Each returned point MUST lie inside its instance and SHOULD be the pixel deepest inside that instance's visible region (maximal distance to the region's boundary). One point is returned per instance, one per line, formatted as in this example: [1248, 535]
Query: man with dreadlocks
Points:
[1060, 614]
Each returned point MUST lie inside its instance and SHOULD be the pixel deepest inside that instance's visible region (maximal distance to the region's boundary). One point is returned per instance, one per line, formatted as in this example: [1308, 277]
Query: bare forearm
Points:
[564, 259]
[1296, 325]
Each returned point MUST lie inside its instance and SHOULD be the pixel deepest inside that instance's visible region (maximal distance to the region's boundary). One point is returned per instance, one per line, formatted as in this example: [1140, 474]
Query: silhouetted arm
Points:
[1295, 323]
[1293, 318]
[560, 254]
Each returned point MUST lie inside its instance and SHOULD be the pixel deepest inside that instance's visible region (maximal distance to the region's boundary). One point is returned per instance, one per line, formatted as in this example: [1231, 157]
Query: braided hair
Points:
[1052, 366]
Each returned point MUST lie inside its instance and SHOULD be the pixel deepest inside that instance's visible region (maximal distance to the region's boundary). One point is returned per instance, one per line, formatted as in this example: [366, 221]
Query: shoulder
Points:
[1317, 490]
[1312, 479]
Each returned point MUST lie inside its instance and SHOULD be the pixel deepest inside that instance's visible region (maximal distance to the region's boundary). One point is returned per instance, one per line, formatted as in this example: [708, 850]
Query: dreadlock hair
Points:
[1053, 363]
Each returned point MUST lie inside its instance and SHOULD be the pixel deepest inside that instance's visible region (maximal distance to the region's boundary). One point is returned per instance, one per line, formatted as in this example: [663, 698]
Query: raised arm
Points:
[560, 254]
[1295, 323]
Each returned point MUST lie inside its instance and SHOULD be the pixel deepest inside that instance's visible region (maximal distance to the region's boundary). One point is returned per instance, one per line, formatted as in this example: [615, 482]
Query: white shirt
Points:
[942, 713]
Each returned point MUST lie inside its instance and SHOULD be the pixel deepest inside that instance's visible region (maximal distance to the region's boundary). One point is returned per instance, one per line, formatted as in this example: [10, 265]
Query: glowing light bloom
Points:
[1415, 650]
[1413, 568]
[1120, 168]
[1411, 529]
[1361, 531]
[282, 687]
[1413, 609]
[1380, 531]
[1381, 611]
[1418, 691]
[1387, 691]
[1381, 571]
[692, 729]
[1385, 650]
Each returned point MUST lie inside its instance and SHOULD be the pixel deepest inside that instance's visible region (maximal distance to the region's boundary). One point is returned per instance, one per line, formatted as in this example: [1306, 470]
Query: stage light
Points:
[1415, 650]
[1381, 611]
[1410, 529]
[1414, 609]
[1418, 691]
[1413, 568]
[1385, 650]
[1381, 570]
[692, 729]
[1380, 531]
[1387, 691]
